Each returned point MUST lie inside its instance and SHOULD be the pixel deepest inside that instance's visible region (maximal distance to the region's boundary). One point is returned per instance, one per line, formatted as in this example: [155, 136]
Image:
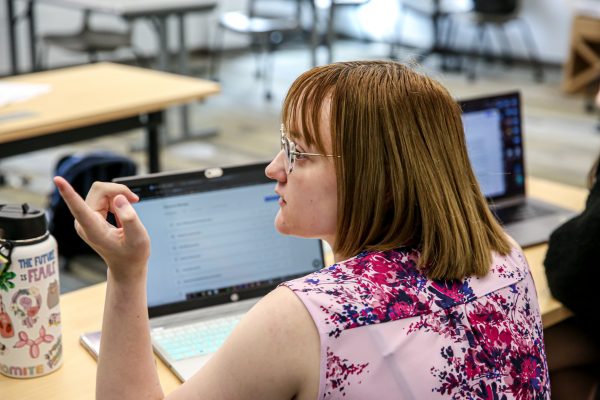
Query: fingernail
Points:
[120, 201]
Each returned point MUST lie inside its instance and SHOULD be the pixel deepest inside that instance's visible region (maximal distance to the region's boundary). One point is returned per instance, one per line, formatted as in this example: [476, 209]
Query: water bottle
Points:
[30, 326]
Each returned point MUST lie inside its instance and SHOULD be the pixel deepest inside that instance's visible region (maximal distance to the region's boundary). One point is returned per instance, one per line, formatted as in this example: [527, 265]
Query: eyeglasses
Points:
[291, 155]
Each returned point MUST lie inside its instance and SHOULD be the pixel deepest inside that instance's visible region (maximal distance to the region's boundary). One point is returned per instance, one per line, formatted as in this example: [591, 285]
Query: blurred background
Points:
[547, 49]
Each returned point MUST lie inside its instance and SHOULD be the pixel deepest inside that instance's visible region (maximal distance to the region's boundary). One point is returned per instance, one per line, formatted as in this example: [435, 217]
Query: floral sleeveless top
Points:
[389, 332]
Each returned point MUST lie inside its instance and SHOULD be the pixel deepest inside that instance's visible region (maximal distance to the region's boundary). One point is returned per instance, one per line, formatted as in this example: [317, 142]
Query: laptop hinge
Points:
[513, 201]
[203, 313]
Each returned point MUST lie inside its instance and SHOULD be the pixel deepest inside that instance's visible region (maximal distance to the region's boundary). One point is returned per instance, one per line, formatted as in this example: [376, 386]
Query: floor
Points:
[561, 138]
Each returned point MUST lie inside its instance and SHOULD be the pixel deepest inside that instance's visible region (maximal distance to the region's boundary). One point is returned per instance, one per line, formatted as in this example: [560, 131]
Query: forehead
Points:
[308, 122]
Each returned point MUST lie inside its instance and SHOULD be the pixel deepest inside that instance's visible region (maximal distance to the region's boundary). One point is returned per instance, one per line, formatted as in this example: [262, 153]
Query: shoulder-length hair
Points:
[404, 176]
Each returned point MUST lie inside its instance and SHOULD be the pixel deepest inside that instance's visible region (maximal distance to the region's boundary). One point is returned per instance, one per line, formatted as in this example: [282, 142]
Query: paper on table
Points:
[13, 92]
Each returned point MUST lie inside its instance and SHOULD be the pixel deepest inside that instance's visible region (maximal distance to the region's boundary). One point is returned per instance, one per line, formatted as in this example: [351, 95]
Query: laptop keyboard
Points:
[521, 212]
[198, 339]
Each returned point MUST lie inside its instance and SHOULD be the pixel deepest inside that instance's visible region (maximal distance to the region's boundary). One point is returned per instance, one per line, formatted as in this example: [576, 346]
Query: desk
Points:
[95, 100]
[82, 311]
[156, 10]
[569, 197]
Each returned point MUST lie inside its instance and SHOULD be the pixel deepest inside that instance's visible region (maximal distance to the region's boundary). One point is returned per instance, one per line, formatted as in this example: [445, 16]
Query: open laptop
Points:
[494, 135]
[214, 253]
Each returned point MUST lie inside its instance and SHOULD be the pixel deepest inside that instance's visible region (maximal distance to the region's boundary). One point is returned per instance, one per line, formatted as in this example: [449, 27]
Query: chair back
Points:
[496, 7]
[258, 8]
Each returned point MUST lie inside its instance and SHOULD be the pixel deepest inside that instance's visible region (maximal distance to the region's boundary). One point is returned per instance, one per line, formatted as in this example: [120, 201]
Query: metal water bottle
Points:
[30, 326]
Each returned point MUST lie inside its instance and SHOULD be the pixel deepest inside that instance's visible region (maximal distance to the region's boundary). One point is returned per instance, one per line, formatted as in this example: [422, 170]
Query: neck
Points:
[331, 256]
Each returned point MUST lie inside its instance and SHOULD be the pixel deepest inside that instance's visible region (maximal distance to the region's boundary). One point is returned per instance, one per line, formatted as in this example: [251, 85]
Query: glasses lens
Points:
[288, 148]
[289, 153]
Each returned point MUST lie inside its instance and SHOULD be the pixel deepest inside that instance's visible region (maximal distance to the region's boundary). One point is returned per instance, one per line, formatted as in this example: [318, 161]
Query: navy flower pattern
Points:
[488, 331]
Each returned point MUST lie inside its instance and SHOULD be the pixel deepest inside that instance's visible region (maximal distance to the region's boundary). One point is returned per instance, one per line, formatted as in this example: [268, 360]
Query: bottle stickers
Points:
[6, 327]
[30, 323]
[26, 304]
[52, 298]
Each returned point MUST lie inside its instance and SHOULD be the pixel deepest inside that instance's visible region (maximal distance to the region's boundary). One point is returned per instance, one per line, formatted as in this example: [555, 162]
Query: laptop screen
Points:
[493, 133]
[213, 240]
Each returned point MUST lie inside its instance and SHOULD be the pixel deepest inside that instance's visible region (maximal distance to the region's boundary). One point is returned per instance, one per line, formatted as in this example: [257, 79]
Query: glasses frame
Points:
[289, 149]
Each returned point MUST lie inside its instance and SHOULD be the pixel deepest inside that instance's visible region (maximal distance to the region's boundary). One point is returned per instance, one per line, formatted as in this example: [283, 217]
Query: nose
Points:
[276, 168]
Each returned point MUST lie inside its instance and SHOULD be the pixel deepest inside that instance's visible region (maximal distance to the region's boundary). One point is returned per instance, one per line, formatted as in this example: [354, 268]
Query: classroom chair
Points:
[88, 40]
[267, 30]
[437, 13]
[499, 14]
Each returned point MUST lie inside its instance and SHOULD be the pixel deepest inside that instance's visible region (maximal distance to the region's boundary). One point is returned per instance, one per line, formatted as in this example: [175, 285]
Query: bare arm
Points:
[126, 366]
[272, 354]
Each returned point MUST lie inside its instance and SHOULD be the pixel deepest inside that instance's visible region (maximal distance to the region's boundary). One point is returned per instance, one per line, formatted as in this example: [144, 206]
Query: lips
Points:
[281, 199]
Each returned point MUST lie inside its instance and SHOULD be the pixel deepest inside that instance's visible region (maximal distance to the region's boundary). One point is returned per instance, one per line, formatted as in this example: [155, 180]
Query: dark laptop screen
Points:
[494, 133]
[214, 237]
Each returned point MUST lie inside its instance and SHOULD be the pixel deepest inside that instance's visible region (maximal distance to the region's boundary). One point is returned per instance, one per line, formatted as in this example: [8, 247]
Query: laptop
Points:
[214, 253]
[494, 136]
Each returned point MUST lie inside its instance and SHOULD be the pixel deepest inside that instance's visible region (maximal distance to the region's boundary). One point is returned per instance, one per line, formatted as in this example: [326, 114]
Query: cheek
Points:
[322, 206]
[313, 214]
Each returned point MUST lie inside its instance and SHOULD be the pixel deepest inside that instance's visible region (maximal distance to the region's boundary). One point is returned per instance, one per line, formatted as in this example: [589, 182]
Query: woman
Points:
[428, 297]
[571, 266]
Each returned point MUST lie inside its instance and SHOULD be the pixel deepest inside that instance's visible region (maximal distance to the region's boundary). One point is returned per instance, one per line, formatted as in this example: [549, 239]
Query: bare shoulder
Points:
[274, 353]
[283, 318]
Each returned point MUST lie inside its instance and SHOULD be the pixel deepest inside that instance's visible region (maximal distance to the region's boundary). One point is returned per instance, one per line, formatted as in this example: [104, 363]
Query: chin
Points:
[288, 230]
[281, 226]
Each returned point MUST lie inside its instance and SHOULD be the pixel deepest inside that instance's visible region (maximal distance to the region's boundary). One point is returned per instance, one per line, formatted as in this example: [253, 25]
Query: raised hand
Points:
[125, 248]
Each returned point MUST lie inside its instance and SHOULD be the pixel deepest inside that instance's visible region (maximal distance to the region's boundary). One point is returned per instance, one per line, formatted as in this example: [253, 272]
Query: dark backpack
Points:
[81, 170]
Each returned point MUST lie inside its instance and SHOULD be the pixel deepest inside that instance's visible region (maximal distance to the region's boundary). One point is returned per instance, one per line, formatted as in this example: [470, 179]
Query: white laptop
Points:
[494, 136]
[214, 253]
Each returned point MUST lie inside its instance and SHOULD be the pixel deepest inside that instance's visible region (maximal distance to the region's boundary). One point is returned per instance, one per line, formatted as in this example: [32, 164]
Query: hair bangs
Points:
[303, 108]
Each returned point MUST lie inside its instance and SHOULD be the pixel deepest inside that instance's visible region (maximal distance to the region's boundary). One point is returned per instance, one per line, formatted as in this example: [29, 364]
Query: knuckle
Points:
[96, 185]
[128, 217]
[79, 229]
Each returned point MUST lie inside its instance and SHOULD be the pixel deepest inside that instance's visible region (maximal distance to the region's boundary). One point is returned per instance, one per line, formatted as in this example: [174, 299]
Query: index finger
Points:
[80, 210]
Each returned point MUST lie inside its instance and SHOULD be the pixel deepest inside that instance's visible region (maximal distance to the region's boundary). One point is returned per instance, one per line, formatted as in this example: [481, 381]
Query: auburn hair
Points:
[404, 176]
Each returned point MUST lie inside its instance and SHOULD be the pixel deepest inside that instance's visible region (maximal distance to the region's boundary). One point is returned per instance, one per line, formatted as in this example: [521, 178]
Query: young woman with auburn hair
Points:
[428, 298]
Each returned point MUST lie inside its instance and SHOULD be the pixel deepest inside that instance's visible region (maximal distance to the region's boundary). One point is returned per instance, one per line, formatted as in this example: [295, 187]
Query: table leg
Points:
[153, 123]
[183, 69]
[12, 36]
[314, 34]
[184, 110]
[183, 55]
[163, 45]
[32, 35]
[330, 32]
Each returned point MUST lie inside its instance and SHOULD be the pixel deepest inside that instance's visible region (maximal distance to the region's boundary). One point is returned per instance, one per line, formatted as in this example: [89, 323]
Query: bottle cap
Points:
[22, 222]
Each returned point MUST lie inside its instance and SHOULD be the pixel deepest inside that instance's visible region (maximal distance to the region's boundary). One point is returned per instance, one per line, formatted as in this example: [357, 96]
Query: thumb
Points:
[130, 222]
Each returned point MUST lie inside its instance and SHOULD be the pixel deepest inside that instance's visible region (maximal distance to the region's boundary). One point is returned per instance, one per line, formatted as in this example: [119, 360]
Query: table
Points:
[157, 11]
[82, 312]
[95, 100]
[569, 197]
[583, 64]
